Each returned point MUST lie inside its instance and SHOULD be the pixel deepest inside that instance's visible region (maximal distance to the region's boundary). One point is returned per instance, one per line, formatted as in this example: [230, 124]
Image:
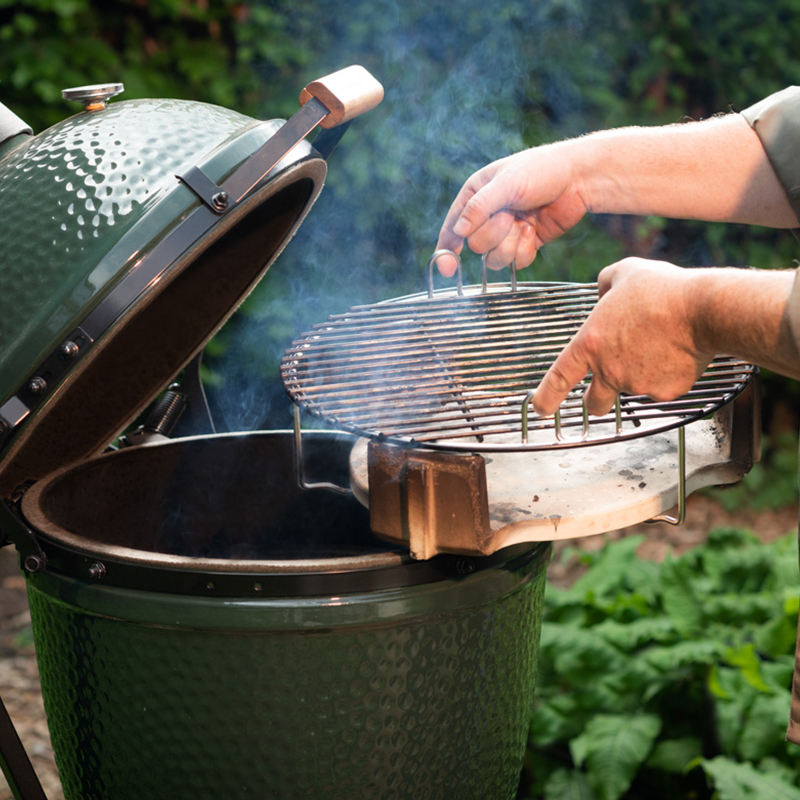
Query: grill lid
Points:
[131, 232]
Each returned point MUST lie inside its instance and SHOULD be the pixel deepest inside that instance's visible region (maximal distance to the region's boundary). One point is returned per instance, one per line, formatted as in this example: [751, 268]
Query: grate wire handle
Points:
[459, 272]
[681, 516]
[484, 279]
[460, 275]
[299, 461]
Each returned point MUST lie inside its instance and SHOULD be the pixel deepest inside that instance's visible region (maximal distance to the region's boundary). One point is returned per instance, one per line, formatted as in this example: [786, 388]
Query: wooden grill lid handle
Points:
[346, 94]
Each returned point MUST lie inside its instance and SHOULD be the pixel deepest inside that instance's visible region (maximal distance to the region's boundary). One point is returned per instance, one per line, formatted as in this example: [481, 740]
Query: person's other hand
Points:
[640, 338]
[513, 206]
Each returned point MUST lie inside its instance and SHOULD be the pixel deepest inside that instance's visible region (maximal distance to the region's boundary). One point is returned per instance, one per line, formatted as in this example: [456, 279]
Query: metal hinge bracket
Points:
[214, 196]
[14, 531]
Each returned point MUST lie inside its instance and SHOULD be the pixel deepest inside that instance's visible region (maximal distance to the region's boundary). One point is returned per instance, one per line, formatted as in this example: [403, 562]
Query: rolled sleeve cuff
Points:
[776, 121]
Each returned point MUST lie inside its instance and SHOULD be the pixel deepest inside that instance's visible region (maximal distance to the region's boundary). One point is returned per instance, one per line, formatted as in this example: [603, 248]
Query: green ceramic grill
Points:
[207, 625]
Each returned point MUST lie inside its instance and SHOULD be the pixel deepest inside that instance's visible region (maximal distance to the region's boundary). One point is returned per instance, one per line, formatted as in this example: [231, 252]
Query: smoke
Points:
[466, 83]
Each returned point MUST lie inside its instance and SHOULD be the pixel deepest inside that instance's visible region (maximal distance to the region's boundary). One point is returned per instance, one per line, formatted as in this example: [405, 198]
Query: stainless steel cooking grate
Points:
[456, 372]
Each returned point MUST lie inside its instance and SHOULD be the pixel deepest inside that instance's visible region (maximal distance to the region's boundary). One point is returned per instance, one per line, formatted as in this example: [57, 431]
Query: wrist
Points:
[744, 313]
[699, 301]
[604, 171]
[588, 162]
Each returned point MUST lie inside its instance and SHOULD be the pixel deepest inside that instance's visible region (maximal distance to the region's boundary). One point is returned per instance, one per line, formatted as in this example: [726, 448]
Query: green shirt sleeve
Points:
[793, 309]
[776, 120]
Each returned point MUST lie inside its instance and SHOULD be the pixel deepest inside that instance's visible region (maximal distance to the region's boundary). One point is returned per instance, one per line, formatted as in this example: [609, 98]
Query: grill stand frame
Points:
[15, 763]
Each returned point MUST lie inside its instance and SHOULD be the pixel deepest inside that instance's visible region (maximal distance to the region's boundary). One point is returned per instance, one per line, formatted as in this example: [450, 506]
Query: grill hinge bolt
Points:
[37, 387]
[97, 570]
[219, 200]
[34, 563]
[465, 566]
[69, 350]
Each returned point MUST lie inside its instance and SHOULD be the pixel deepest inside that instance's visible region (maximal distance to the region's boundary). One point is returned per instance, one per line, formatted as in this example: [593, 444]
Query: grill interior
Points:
[453, 371]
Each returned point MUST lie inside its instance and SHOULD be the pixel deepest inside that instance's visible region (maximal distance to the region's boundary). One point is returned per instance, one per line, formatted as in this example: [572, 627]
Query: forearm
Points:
[745, 313]
[715, 170]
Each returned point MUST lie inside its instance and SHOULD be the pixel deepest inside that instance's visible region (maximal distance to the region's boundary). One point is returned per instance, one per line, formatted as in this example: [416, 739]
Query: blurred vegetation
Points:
[669, 680]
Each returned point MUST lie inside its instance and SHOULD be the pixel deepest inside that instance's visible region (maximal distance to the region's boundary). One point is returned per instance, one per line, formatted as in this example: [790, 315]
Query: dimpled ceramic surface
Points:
[420, 706]
[70, 196]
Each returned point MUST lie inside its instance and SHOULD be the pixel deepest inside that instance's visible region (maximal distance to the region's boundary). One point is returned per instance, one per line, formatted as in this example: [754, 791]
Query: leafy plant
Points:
[657, 680]
[170, 48]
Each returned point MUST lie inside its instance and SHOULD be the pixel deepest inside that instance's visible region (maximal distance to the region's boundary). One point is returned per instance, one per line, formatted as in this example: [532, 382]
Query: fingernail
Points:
[461, 228]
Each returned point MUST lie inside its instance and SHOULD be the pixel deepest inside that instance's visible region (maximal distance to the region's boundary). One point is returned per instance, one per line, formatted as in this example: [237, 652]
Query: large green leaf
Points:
[613, 747]
[674, 755]
[737, 608]
[735, 697]
[679, 597]
[682, 654]
[568, 784]
[631, 635]
[610, 571]
[578, 650]
[748, 662]
[765, 725]
[735, 781]
[554, 720]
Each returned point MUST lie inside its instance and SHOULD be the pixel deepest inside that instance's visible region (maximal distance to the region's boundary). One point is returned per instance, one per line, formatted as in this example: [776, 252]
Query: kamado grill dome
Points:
[131, 233]
[205, 625]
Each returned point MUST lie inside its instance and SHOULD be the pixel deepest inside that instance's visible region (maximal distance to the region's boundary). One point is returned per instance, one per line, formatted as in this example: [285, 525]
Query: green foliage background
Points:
[669, 680]
[467, 82]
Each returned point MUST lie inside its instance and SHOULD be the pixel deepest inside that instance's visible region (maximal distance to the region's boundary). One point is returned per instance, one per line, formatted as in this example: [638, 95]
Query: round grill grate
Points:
[454, 372]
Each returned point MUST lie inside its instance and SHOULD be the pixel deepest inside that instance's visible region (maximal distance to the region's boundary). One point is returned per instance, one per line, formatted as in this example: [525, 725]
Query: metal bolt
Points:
[69, 350]
[219, 200]
[465, 566]
[37, 386]
[97, 571]
[33, 563]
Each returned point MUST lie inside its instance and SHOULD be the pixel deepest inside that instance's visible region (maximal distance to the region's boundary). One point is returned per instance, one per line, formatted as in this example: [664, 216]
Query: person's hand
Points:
[511, 207]
[641, 338]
